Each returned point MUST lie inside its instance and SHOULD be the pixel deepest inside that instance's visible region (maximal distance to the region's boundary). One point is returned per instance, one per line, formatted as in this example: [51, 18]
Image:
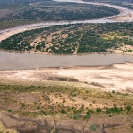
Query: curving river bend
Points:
[14, 61]
[124, 11]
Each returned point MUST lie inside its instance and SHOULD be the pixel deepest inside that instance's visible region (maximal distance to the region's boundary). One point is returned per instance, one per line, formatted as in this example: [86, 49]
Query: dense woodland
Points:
[69, 39]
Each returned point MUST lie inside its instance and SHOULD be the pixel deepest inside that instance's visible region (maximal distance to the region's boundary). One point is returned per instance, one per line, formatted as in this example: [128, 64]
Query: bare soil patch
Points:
[115, 77]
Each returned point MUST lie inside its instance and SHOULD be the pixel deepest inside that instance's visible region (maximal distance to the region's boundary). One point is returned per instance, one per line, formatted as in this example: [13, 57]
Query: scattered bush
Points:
[128, 108]
[114, 110]
[93, 127]
[98, 110]
[76, 116]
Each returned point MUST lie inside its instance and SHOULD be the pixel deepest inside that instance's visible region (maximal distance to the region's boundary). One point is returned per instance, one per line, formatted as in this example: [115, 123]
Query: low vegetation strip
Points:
[63, 103]
[73, 39]
[73, 102]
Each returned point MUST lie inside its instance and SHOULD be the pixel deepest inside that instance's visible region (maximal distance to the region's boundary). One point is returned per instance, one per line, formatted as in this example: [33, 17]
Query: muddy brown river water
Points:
[13, 61]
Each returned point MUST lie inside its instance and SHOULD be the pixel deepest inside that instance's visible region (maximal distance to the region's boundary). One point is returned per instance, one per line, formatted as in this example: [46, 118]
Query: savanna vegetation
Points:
[71, 39]
[54, 11]
[67, 101]
[65, 105]
[26, 12]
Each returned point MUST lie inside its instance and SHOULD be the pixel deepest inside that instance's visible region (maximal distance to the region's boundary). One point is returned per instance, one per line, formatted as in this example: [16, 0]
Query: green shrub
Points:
[63, 111]
[76, 116]
[87, 116]
[98, 110]
[114, 110]
[90, 111]
[35, 102]
[128, 108]
[93, 127]
[87, 91]
[113, 91]
[43, 112]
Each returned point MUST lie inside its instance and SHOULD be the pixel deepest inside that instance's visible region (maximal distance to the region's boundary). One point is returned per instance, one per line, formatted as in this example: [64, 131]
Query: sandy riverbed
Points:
[127, 17]
[114, 77]
[7, 34]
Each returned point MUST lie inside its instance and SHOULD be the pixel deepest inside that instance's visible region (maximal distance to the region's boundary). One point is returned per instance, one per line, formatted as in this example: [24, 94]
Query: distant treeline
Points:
[54, 11]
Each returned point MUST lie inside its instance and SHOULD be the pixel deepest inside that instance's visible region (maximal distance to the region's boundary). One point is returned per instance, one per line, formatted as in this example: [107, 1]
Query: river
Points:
[13, 61]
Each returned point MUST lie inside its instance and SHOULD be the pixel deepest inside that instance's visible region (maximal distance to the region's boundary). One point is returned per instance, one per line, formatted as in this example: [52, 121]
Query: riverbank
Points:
[114, 77]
